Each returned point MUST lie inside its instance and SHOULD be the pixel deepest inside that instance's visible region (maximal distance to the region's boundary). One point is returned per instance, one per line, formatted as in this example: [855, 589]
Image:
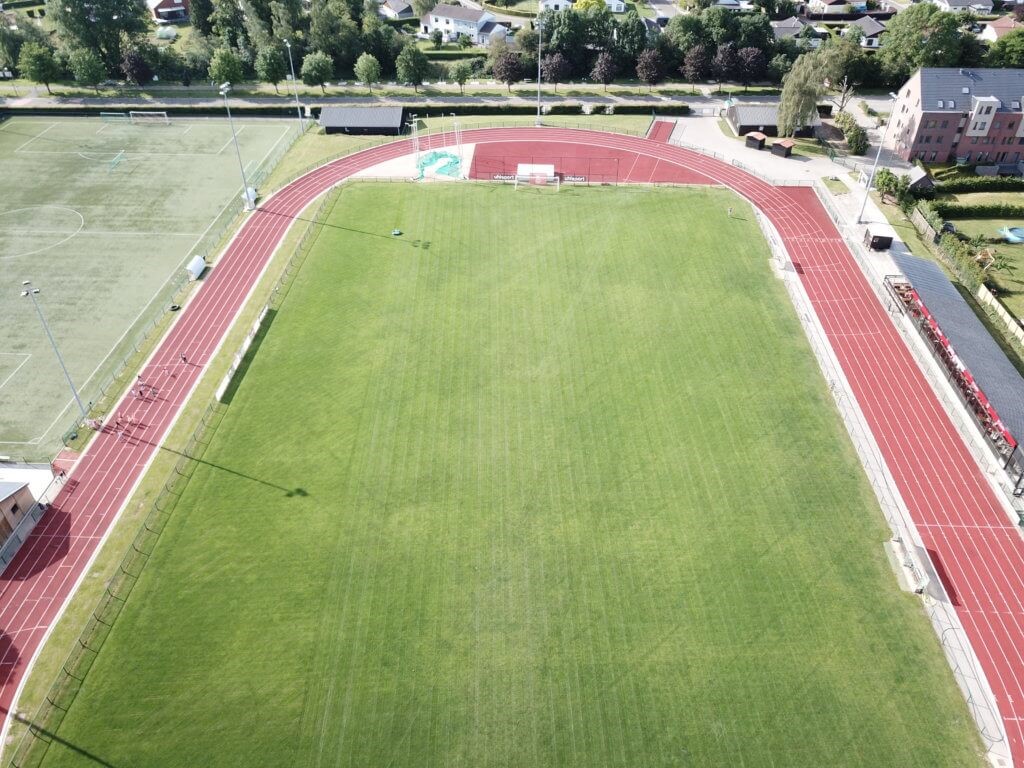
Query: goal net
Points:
[537, 175]
[149, 118]
[114, 117]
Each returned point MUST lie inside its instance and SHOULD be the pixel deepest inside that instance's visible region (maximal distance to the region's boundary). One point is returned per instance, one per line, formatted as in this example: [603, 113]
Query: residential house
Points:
[396, 9]
[738, 6]
[168, 11]
[615, 6]
[870, 31]
[983, 7]
[795, 28]
[971, 116]
[454, 20]
[996, 29]
[836, 7]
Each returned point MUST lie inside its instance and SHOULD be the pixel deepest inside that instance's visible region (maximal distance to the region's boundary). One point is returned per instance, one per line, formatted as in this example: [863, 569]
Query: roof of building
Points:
[398, 6]
[489, 26]
[361, 117]
[960, 85]
[759, 114]
[868, 25]
[457, 12]
[918, 177]
[971, 341]
[1004, 24]
[790, 27]
[968, 3]
[9, 488]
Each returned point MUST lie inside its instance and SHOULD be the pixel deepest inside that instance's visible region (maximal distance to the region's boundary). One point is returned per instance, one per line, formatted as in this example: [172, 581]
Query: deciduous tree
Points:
[367, 70]
[38, 64]
[649, 67]
[87, 68]
[920, 36]
[750, 65]
[696, 63]
[801, 89]
[103, 26]
[199, 12]
[225, 66]
[631, 39]
[604, 69]
[317, 69]
[136, 66]
[412, 66]
[270, 65]
[508, 68]
[725, 63]
[460, 72]
[555, 68]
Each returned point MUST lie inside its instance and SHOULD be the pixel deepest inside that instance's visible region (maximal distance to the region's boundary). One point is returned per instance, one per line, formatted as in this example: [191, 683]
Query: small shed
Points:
[878, 237]
[380, 121]
[918, 178]
[755, 140]
[783, 147]
[195, 268]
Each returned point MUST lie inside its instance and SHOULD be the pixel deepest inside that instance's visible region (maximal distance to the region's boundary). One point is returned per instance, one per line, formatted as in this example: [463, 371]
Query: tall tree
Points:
[1008, 50]
[15, 35]
[38, 64]
[87, 68]
[649, 67]
[801, 89]
[844, 67]
[317, 69]
[367, 70]
[526, 38]
[751, 65]
[199, 13]
[135, 65]
[600, 28]
[696, 63]
[508, 68]
[103, 26]
[567, 34]
[920, 36]
[631, 39]
[753, 30]
[459, 72]
[555, 68]
[585, 5]
[720, 24]
[270, 65]
[423, 7]
[726, 63]
[225, 66]
[227, 24]
[412, 66]
[686, 31]
[604, 69]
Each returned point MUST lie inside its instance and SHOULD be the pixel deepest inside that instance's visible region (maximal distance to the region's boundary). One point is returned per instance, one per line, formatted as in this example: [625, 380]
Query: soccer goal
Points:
[537, 176]
[149, 118]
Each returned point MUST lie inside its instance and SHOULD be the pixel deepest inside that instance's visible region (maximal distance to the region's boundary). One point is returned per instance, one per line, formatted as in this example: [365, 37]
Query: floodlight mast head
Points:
[225, 89]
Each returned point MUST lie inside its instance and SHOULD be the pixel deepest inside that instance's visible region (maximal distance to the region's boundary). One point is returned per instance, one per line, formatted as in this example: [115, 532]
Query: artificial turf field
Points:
[551, 479]
[105, 244]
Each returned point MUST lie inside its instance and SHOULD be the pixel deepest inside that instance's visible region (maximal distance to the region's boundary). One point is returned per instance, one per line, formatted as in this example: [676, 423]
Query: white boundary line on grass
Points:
[26, 355]
[22, 147]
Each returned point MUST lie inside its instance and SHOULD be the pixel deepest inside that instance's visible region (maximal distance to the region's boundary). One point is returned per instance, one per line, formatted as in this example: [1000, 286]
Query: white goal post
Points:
[149, 118]
[537, 175]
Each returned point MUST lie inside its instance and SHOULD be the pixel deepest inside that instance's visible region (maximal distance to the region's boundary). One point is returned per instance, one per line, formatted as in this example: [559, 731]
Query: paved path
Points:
[970, 540]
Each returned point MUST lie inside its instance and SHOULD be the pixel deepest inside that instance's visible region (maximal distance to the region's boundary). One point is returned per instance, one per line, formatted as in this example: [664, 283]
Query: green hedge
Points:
[982, 184]
[978, 210]
[959, 257]
[77, 111]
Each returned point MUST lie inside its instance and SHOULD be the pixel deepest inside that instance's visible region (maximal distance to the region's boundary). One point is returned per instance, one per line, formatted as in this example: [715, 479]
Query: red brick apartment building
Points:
[973, 116]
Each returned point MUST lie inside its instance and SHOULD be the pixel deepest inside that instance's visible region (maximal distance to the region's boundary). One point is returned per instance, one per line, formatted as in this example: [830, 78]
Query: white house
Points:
[396, 9]
[1001, 26]
[870, 31]
[962, 6]
[739, 6]
[615, 6]
[454, 20]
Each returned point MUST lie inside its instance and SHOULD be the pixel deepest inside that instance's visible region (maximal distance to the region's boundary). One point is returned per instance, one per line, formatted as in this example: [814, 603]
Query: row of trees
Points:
[244, 39]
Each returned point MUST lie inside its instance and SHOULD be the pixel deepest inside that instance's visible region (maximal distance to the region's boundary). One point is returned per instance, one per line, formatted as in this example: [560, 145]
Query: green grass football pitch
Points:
[550, 479]
[104, 245]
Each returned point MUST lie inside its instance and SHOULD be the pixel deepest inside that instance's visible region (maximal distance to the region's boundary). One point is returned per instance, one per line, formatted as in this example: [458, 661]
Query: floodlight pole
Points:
[540, 38]
[414, 132]
[225, 89]
[295, 84]
[31, 292]
[878, 154]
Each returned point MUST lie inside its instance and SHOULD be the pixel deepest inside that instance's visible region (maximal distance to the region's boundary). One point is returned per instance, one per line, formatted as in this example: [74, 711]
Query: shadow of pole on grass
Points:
[50, 736]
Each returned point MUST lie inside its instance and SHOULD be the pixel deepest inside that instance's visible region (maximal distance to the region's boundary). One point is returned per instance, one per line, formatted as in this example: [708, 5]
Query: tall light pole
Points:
[32, 292]
[225, 89]
[295, 83]
[540, 37]
[878, 154]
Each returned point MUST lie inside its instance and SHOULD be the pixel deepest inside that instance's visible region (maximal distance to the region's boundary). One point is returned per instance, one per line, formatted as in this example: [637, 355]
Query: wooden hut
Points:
[756, 139]
[783, 147]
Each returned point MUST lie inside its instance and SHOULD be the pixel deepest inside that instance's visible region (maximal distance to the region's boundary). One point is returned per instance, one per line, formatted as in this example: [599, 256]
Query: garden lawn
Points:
[550, 479]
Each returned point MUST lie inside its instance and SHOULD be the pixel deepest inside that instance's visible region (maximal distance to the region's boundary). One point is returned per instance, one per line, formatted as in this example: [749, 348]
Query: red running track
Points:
[958, 514]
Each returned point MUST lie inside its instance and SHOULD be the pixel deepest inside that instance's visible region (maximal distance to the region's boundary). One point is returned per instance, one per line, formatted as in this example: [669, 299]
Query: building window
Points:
[15, 509]
[928, 139]
[934, 155]
[938, 139]
[997, 125]
[1009, 125]
[974, 139]
[945, 123]
[920, 155]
